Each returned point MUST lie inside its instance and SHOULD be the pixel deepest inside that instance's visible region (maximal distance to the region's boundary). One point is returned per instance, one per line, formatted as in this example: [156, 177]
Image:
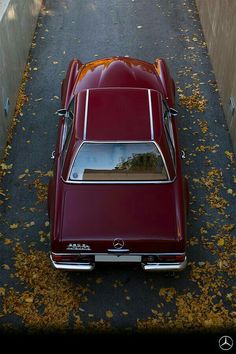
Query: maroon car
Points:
[118, 194]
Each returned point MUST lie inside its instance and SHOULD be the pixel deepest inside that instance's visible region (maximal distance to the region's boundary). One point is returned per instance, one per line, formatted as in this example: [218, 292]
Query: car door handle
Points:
[53, 155]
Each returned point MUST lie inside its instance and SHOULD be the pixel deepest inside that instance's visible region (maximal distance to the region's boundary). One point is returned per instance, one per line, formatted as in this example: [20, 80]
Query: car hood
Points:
[118, 72]
[143, 216]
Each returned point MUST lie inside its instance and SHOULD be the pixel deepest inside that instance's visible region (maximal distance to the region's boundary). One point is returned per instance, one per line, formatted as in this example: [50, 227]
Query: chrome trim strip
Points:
[165, 266]
[86, 114]
[150, 114]
[117, 250]
[164, 161]
[174, 147]
[105, 253]
[63, 136]
[118, 182]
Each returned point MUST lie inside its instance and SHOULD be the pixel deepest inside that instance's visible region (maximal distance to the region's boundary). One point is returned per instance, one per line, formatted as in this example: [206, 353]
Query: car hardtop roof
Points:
[120, 113]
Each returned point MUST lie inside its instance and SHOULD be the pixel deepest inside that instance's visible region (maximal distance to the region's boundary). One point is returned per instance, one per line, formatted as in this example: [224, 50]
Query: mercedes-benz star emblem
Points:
[118, 243]
[226, 342]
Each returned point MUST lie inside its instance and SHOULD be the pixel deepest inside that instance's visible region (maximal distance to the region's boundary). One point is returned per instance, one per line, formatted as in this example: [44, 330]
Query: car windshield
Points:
[118, 162]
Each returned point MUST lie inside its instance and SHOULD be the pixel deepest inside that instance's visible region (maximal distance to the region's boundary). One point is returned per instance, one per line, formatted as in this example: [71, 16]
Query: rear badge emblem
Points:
[118, 243]
[78, 247]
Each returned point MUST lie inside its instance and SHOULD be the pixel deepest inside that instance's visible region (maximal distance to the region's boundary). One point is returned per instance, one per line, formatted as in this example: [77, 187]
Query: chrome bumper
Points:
[162, 266]
[86, 267]
[165, 266]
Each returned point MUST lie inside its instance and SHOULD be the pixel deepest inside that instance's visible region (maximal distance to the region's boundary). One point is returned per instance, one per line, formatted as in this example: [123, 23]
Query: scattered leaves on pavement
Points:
[41, 190]
[51, 296]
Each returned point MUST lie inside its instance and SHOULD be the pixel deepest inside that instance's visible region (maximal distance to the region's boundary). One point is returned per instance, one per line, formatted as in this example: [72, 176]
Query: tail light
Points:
[64, 258]
[172, 258]
[72, 258]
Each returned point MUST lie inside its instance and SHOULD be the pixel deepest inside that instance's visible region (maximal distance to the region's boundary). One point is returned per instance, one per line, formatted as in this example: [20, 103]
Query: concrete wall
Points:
[218, 18]
[18, 19]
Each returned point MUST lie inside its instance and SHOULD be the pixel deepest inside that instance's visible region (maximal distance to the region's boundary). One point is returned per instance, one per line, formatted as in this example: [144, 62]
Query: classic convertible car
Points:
[117, 193]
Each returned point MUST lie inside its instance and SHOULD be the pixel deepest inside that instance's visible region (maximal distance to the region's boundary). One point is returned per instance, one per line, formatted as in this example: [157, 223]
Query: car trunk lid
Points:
[142, 215]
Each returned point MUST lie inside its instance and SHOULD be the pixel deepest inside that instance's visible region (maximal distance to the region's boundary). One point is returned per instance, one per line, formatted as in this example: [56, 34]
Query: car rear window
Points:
[118, 162]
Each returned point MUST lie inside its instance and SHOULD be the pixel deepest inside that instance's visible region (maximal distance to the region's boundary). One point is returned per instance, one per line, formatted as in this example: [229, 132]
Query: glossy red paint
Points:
[145, 218]
[115, 108]
[114, 100]
[68, 83]
[118, 72]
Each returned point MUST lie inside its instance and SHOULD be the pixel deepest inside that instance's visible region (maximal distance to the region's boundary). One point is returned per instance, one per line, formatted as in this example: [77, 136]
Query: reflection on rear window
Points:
[118, 162]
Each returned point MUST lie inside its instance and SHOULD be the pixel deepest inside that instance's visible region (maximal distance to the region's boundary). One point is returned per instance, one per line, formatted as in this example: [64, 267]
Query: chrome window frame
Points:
[170, 135]
[65, 131]
[150, 114]
[86, 114]
[62, 152]
[65, 128]
[119, 182]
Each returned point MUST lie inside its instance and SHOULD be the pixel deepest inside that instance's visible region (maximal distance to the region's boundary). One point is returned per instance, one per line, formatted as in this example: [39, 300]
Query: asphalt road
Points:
[118, 297]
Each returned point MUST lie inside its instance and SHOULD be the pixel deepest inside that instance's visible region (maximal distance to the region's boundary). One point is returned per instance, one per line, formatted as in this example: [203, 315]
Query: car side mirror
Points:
[64, 113]
[61, 112]
[173, 112]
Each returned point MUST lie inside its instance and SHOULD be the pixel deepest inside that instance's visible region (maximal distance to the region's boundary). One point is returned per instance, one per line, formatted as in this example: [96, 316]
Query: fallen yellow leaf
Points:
[49, 174]
[4, 166]
[230, 191]
[6, 266]
[221, 242]
[229, 227]
[2, 291]
[109, 314]
[7, 241]
[21, 176]
[230, 156]
[14, 226]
